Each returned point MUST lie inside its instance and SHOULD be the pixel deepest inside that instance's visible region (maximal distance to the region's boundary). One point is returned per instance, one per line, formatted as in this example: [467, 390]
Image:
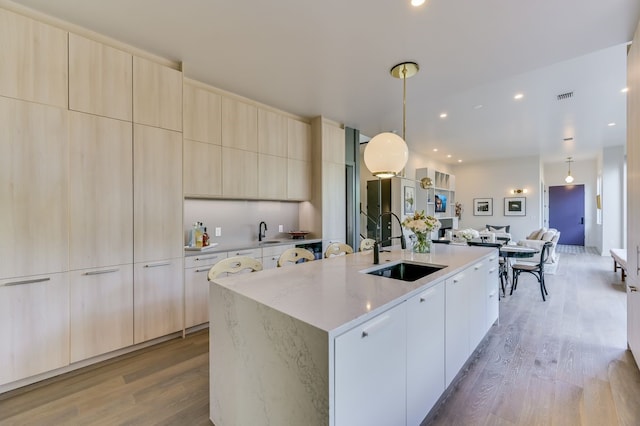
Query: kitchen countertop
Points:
[334, 294]
[251, 245]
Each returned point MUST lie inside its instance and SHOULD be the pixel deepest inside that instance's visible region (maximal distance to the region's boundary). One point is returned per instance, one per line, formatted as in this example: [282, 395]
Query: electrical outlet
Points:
[280, 228]
[218, 231]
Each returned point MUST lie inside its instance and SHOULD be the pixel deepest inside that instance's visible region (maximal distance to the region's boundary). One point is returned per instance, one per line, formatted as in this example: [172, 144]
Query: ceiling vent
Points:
[563, 96]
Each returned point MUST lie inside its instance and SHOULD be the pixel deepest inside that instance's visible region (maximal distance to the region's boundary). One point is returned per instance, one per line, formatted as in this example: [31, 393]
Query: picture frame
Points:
[483, 206]
[409, 200]
[515, 206]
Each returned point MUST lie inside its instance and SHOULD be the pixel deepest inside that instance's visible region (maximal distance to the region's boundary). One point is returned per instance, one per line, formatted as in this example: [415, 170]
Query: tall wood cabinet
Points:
[157, 95]
[298, 160]
[633, 197]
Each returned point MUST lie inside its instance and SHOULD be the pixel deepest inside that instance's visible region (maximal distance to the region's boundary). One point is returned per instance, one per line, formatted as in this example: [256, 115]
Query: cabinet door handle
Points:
[492, 258]
[477, 266]
[104, 271]
[37, 280]
[202, 270]
[492, 270]
[493, 293]
[206, 258]
[458, 278]
[155, 265]
[377, 325]
[246, 253]
[426, 295]
[633, 289]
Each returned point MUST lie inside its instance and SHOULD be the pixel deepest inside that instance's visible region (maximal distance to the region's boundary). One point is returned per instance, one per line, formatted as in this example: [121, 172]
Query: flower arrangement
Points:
[468, 233]
[458, 210]
[421, 225]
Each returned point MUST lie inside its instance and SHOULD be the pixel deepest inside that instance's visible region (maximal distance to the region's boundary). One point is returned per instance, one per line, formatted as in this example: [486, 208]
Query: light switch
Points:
[280, 228]
[218, 231]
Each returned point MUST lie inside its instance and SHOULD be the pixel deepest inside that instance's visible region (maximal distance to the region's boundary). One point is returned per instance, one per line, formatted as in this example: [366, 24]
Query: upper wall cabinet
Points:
[33, 64]
[298, 140]
[157, 95]
[239, 125]
[202, 115]
[100, 79]
[272, 133]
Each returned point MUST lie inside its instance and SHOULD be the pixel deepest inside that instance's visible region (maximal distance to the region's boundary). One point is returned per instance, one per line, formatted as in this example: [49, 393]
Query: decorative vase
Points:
[422, 243]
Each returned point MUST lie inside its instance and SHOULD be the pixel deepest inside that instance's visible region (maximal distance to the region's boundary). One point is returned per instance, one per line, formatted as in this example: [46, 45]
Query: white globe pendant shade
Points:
[568, 179]
[386, 155]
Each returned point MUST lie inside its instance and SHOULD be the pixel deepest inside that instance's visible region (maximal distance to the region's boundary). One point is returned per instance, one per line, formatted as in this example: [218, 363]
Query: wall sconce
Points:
[519, 191]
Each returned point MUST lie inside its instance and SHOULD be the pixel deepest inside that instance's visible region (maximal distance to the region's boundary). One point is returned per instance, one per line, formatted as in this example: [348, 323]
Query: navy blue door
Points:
[566, 213]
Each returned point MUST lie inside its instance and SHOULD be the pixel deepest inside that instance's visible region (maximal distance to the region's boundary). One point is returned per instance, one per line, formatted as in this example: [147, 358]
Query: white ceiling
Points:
[332, 58]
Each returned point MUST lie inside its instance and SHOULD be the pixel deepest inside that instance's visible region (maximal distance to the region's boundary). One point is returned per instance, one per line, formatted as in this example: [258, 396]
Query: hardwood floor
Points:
[559, 362]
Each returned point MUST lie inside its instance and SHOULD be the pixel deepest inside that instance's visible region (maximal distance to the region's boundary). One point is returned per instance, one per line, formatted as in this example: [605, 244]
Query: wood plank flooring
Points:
[560, 362]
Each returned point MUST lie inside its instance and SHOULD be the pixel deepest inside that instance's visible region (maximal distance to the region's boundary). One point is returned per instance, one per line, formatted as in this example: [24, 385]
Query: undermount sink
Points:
[406, 271]
[270, 242]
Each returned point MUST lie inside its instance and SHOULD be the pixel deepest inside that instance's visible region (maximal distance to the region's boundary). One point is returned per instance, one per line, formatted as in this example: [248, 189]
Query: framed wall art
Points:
[409, 200]
[483, 206]
[515, 206]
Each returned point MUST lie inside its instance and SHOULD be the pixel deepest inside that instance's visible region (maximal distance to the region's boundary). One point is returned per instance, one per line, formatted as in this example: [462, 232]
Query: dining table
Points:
[508, 252]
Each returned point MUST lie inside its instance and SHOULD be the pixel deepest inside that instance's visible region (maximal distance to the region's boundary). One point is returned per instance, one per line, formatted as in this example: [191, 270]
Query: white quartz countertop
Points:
[334, 294]
[252, 245]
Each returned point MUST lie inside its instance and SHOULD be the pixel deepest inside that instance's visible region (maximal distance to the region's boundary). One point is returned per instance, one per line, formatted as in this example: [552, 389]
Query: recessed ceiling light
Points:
[611, 124]
[443, 115]
[449, 156]
[459, 161]
[416, 3]
[478, 106]
[435, 149]
[625, 90]
[518, 96]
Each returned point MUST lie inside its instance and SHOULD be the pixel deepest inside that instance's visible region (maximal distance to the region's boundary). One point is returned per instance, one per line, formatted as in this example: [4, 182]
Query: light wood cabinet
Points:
[202, 169]
[270, 255]
[196, 287]
[202, 115]
[34, 325]
[101, 311]
[33, 60]
[333, 202]
[100, 79]
[298, 140]
[370, 371]
[34, 237]
[158, 299]
[157, 95]
[333, 143]
[239, 173]
[272, 177]
[272, 133]
[157, 194]
[298, 180]
[425, 352]
[240, 125]
[100, 192]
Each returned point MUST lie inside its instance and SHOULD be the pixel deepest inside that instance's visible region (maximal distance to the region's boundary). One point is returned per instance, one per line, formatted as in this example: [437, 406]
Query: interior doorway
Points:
[566, 213]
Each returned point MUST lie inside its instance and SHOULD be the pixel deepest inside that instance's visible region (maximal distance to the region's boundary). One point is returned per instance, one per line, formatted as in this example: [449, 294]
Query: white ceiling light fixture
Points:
[625, 90]
[386, 154]
[443, 115]
[569, 178]
[518, 96]
[416, 3]
[611, 124]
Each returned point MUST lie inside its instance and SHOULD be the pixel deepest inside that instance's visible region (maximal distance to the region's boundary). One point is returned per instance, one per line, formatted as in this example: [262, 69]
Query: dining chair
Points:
[367, 244]
[337, 249]
[293, 255]
[234, 265]
[502, 265]
[536, 270]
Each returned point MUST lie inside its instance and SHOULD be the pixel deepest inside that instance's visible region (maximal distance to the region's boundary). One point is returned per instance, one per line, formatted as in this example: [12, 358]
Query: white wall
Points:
[584, 173]
[613, 208]
[496, 179]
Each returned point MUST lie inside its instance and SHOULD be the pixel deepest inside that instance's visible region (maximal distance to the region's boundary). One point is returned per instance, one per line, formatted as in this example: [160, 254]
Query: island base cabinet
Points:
[370, 371]
[425, 352]
[457, 348]
[34, 325]
[101, 310]
[158, 299]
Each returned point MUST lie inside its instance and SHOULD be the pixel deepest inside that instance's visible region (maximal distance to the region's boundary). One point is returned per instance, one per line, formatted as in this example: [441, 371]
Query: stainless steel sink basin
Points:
[406, 271]
[269, 242]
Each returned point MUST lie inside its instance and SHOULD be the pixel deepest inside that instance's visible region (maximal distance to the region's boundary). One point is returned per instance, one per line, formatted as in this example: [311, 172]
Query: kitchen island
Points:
[326, 343]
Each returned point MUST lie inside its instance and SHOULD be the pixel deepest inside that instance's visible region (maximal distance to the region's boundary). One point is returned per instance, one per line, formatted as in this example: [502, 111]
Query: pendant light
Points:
[569, 178]
[386, 154]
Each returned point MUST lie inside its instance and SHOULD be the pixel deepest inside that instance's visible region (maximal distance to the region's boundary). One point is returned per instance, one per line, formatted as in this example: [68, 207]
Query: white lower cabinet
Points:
[456, 325]
[34, 325]
[270, 255]
[425, 352]
[477, 294]
[370, 371]
[492, 291]
[158, 298]
[196, 287]
[101, 310]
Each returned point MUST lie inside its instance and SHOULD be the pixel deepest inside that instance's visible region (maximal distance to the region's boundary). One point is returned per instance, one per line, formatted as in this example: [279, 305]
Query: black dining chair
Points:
[502, 264]
[536, 270]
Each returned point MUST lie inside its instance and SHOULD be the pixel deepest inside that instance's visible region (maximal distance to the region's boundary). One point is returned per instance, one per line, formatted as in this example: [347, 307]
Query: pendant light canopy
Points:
[386, 154]
[569, 178]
